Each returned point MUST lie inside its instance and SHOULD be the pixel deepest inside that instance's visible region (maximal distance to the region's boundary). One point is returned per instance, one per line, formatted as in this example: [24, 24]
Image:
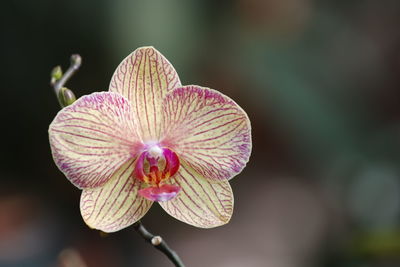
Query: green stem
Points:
[58, 80]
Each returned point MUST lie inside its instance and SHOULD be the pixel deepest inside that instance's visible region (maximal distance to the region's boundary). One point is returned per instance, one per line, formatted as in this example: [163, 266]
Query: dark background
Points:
[320, 81]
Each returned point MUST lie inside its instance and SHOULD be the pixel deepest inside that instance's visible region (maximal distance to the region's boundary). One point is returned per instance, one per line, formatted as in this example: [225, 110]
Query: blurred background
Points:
[320, 81]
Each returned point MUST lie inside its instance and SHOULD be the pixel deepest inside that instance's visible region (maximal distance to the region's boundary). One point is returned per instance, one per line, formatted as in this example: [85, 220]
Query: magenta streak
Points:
[214, 128]
[79, 135]
[163, 64]
[205, 192]
[182, 214]
[217, 196]
[86, 204]
[91, 114]
[199, 117]
[80, 111]
[74, 174]
[193, 148]
[129, 189]
[193, 212]
[160, 93]
[137, 93]
[92, 130]
[184, 191]
[153, 100]
[143, 202]
[95, 202]
[62, 159]
[131, 74]
[203, 160]
[213, 156]
[122, 69]
[94, 163]
[110, 168]
[178, 113]
[107, 170]
[206, 171]
[111, 191]
[228, 165]
[114, 147]
[227, 142]
[90, 121]
[133, 185]
[139, 206]
[89, 171]
[144, 89]
[216, 137]
[167, 114]
[202, 123]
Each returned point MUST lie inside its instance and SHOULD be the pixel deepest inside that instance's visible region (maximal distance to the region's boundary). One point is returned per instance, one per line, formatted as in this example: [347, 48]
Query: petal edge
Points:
[93, 137]
[208, 130]
[145, 77]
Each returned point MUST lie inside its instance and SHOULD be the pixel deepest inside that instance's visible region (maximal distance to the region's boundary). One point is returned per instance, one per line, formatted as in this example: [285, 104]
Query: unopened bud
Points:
[56, 74]
[76, 61]
[66, 97]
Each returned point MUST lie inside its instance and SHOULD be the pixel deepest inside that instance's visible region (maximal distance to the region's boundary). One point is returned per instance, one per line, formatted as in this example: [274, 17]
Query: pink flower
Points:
[150, 139]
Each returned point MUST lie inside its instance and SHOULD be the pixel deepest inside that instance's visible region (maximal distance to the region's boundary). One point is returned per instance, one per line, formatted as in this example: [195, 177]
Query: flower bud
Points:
[76, 60]
[56, 74]
[66, 97]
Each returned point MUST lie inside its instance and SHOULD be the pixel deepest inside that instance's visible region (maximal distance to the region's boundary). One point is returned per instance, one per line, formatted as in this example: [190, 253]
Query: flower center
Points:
[154, 167]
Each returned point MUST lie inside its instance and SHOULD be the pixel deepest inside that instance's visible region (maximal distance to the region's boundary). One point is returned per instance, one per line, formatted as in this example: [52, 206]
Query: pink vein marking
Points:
[146, 56]
[111, 191]
[119, 193]
[214, 128]
[95, 202]
[183, 180]
[137, 91]
[205, 192]
[153, 98]
[216, 137]
[94, 131]
[160, 91]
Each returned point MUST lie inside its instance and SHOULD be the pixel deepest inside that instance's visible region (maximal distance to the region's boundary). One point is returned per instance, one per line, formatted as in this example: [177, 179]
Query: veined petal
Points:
[208, 130]
[93, 137]
[201, 202]
[144, 77]
[117, 204]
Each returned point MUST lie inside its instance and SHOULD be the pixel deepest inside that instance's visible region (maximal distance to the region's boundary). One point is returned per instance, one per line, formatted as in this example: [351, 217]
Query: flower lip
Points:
[163, 193]
[155, 165]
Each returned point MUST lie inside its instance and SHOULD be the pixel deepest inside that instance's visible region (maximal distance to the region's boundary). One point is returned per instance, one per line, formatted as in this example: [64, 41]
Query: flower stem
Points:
[158, 243]
[58, 80]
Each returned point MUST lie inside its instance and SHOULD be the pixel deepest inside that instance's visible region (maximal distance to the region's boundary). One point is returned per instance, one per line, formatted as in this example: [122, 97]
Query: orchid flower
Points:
[150, 139]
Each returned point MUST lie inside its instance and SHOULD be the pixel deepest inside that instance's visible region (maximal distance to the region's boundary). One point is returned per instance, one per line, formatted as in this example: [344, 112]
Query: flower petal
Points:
[201, 202]
[208, 130]
[93, 137]
[117, 204]
[144, 77]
